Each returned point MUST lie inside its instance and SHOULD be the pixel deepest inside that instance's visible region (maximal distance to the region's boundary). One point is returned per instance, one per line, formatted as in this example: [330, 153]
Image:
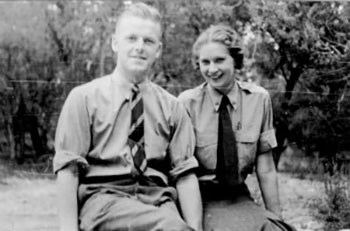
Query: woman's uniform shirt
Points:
[94, 125]
[251, 116]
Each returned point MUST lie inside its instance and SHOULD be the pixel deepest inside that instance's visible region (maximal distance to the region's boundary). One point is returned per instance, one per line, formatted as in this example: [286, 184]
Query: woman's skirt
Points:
[233, 209]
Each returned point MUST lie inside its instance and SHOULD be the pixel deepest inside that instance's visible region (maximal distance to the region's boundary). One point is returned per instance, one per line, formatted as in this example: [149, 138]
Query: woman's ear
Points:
[114, 43]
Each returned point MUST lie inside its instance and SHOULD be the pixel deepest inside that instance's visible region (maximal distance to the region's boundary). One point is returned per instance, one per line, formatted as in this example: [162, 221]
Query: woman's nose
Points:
[212, 68]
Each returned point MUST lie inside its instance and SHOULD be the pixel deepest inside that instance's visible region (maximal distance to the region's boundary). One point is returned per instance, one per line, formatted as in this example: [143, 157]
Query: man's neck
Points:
[135, 78]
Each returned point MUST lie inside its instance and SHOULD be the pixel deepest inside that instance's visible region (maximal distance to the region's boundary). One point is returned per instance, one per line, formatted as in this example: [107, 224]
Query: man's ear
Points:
[114, 43]
[159, 50]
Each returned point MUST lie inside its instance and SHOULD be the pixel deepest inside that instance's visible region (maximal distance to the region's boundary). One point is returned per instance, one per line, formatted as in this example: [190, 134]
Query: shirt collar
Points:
[233, 95]
[125, 86]
[246, 86]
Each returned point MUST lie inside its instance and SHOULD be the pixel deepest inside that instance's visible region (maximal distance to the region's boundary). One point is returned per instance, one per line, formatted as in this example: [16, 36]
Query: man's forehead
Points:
[126, 24]
[127, 19]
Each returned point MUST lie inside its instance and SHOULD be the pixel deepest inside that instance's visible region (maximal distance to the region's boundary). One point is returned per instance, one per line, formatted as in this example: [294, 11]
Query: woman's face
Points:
[217, 66]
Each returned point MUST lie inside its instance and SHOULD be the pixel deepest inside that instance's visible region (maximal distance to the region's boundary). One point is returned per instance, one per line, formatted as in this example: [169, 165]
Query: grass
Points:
[332, 208]
[28, 170]
[335, 208]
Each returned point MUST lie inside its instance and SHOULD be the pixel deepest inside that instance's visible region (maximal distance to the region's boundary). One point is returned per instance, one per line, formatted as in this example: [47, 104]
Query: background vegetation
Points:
[297, 50]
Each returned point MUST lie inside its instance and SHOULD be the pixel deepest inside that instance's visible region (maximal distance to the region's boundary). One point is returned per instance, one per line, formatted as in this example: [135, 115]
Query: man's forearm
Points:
[190, 201]
[67, 185]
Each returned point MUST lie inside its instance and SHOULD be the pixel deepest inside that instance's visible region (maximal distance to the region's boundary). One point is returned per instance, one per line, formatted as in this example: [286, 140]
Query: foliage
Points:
[183, 22]
[67, 48]
[335, 209]
[303, 43]
[307, 43]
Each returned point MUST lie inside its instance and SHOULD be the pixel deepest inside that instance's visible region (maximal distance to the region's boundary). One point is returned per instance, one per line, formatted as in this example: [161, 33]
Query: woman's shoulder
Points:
[252, 88]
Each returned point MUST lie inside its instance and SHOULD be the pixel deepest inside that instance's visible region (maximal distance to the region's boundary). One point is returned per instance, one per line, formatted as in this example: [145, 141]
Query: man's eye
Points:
[149, 41]
[132, 38]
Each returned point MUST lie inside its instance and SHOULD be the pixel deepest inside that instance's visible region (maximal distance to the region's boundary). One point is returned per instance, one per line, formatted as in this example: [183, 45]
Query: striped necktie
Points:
[227, 156]
[136, 134]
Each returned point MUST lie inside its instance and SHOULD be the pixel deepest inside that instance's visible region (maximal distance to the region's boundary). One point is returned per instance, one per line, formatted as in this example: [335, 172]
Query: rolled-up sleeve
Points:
[267, 141]
[72, 137]
[267, 138]
[182, 144]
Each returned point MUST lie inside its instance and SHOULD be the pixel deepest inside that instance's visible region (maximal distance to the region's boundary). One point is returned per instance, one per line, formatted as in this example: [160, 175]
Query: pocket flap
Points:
[246, 137]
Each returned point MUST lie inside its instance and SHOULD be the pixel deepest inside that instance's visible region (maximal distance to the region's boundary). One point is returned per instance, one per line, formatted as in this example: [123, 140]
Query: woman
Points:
[234, 135]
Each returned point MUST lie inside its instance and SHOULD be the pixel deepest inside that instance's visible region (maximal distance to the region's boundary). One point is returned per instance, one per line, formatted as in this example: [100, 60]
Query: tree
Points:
[309, 47]
[18, 51]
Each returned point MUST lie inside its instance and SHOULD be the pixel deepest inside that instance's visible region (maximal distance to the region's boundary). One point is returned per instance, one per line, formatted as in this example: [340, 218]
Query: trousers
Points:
[129, 206]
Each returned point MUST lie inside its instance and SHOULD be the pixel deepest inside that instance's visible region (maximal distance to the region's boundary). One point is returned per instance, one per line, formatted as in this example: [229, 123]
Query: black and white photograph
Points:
[174, 115]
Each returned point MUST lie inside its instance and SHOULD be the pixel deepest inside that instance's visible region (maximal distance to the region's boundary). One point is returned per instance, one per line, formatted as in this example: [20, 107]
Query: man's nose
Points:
[139, 44]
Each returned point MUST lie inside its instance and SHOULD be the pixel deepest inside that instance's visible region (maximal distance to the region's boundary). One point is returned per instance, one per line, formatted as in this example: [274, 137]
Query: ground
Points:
[28, 201]
[297, 197]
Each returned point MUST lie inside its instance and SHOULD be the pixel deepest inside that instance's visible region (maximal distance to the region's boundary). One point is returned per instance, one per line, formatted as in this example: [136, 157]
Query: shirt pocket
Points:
[206, 145]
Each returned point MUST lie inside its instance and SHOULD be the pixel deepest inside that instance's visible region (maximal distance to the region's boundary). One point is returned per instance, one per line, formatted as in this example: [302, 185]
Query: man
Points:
[124, 145]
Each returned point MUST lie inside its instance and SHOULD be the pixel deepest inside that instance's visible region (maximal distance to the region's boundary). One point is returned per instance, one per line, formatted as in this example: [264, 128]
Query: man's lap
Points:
[108, 210]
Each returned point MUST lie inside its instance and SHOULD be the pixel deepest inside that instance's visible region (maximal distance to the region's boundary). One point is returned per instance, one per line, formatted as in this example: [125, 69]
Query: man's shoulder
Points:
[193, 93]
[96, 83]
[161, 92]
[92, 85]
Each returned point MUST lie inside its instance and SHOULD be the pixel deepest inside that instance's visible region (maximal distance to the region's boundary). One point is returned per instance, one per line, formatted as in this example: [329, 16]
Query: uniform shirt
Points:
[93, 129]
[251, 115]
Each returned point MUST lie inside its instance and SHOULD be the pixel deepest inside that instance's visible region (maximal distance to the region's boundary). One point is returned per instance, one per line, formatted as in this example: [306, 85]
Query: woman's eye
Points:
[220, 60]
[205, 62]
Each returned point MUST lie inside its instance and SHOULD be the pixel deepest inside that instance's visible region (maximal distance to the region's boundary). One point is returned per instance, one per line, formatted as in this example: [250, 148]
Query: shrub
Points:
[334, 210]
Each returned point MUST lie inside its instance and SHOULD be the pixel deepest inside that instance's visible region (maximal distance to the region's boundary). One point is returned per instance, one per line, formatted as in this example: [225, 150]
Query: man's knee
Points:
[170, 219]
[171, 223]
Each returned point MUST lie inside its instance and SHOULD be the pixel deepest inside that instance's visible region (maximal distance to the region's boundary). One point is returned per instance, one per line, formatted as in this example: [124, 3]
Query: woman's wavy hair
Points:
[222, 34]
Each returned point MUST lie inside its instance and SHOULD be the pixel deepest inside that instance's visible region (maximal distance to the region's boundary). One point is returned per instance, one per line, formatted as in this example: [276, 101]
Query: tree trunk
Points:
[282, 129]
[11, 140]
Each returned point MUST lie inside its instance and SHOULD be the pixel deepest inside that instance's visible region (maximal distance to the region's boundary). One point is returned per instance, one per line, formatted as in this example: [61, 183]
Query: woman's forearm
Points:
[267, 177]
[269, 190]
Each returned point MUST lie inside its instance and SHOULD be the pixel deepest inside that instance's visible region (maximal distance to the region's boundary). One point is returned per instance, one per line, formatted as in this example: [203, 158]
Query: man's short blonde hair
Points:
[141, 10]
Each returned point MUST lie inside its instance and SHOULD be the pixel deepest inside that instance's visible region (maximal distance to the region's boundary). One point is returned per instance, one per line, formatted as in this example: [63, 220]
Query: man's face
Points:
[137, 43]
